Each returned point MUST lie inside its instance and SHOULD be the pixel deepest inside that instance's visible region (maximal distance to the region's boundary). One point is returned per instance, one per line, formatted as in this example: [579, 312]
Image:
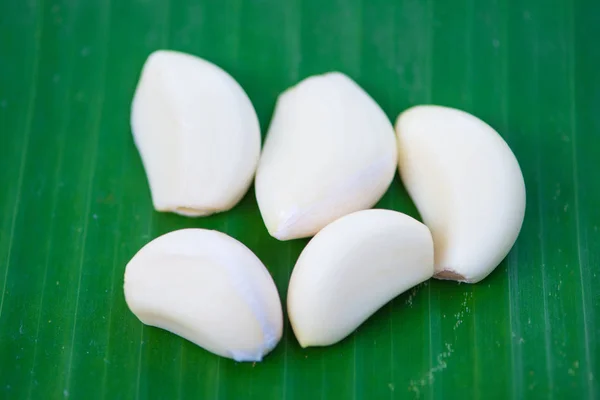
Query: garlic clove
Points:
[197, 134]
[467, 185]
[330, 151]
[208, 288]
[352, 268]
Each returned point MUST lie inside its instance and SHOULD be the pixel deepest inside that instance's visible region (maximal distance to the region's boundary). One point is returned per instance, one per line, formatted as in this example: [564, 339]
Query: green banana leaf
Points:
[75, 204]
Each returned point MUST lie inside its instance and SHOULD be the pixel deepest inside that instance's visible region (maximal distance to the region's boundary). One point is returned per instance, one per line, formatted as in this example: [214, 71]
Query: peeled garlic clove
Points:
[330, 151]
[197, 134]
[352, 268]
[208, 288]
[467, 185]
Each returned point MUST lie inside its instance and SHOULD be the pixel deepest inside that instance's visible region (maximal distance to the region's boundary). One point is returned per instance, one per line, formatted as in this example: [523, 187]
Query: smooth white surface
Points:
[197, 134]
[467, 185]
[208, 288]
[352, 268]
[330, 151]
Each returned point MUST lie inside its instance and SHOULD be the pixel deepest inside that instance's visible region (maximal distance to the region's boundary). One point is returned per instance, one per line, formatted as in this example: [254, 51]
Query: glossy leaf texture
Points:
[75, 205]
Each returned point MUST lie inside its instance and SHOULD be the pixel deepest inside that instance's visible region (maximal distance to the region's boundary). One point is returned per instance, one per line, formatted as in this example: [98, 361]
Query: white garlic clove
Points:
[197, 134]
[467, 185]
[330, 151]
[352, 268]
[208, 288]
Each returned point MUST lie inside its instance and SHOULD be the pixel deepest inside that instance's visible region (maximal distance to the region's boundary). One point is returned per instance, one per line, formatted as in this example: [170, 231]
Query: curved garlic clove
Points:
[197, 134]
[330, 151]
[352, 268]
[467, 185]
[208, 288]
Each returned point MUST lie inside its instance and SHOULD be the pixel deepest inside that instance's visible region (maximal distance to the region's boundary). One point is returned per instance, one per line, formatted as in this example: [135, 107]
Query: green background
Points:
[75, 205]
